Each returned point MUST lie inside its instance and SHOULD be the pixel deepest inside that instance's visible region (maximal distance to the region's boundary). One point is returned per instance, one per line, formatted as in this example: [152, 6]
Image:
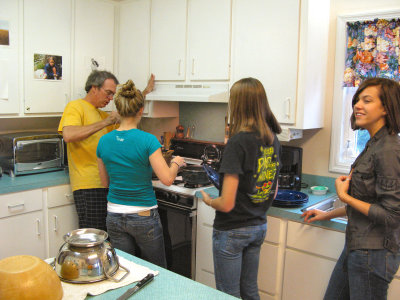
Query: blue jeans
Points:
[138, 235]
[362, 275]
[236, 256]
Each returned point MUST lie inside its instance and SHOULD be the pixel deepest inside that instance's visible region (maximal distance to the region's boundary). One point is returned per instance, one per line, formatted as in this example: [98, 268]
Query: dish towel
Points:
[78, 291]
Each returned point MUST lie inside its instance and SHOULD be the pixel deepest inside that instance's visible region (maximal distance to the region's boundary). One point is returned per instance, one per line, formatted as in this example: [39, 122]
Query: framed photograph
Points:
[4, 33]
[47, 66]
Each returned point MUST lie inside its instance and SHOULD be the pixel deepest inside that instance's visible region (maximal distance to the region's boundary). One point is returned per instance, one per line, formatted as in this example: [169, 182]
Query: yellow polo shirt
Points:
[82, 160]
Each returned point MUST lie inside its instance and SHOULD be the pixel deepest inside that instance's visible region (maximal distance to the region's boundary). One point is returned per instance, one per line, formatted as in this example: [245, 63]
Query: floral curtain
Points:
[372, 51]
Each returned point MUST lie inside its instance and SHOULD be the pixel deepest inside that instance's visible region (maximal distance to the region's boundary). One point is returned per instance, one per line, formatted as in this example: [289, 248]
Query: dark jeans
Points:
[141, 236]
[367, 277]
[236, 257]
[91, 207]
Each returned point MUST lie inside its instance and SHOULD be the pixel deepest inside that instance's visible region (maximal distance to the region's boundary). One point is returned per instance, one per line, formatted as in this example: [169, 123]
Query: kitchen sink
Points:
[328, 205]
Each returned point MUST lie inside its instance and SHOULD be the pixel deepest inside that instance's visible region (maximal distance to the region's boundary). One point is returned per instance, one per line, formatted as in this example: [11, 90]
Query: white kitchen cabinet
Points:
[272, 259]
[306, 276]
[133, 62]
[268, 44]
[9, 60]
[22, 225]
[168, 39]
[190, 39]
[311, 254]
[61, 216]
[94, 39]
[204, 256]
[47, 31]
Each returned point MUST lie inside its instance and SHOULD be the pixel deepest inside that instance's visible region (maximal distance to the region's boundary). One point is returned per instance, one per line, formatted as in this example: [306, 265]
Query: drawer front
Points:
[59, 195]
[316, 240]
[20, 203]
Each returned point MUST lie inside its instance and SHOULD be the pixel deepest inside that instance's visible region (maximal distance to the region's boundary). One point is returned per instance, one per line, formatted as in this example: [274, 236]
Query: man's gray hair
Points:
[97, 78]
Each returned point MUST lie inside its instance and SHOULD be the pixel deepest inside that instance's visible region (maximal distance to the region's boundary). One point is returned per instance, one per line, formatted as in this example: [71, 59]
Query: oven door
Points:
[179, 229]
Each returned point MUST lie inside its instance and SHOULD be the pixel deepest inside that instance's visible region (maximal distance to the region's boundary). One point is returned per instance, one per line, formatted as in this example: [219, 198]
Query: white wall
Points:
[316, 143]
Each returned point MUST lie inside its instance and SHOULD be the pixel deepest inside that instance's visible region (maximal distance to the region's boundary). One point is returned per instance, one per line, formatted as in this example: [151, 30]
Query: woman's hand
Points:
[179, 161]
[206, 198]
[314, 215]
[342, 184]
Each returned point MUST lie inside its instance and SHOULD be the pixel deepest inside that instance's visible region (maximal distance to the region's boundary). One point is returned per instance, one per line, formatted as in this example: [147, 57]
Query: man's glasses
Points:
[108, 92]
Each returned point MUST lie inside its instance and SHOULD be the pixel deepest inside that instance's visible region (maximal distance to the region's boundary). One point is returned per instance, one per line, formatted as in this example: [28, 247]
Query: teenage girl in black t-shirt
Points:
[249, 172]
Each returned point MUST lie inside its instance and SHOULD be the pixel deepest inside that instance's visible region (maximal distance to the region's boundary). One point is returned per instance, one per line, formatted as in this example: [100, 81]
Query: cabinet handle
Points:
[55, 223]
[287, 108]
[192, 66]
[179, 67]
[37, 227]
[11, 206]
[66, 98]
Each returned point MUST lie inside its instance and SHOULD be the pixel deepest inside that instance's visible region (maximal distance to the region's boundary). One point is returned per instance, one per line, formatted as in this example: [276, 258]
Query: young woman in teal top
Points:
[126, 158]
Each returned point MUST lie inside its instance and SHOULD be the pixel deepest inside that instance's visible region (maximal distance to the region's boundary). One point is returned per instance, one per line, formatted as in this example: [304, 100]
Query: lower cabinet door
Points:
[305, 276]
[61, 220]
[24, 234]
[268, 268]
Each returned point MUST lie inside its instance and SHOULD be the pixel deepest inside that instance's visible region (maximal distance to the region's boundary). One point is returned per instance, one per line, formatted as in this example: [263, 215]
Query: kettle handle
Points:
[119, 265]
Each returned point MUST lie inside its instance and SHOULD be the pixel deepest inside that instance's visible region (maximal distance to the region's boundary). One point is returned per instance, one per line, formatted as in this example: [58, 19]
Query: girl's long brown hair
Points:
[249, 110]
[128, 99]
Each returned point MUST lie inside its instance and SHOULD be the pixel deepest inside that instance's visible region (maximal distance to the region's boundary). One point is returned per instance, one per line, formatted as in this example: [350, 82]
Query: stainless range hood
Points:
[200, 92]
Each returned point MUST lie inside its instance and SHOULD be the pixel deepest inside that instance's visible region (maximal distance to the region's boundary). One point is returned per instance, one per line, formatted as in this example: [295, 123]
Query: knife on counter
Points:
[137, 287]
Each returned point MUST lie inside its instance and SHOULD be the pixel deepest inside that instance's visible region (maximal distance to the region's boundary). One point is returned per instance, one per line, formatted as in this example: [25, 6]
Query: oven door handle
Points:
[179, 209]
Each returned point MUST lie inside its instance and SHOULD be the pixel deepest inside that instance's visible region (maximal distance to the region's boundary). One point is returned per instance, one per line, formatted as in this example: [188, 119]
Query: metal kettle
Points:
[86, 256]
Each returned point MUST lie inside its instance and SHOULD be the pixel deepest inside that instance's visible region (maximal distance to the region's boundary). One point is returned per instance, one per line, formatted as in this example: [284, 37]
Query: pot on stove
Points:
[194, 175]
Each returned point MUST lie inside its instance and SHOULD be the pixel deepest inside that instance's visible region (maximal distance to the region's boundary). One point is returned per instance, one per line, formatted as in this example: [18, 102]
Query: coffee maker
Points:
[290, 173]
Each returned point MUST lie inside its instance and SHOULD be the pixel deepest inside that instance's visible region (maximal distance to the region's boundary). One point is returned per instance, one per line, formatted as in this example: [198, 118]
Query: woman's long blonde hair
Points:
[128, 99]
[249, 110]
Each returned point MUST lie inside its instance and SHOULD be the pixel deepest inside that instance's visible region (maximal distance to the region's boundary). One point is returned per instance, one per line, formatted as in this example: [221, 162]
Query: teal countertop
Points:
[294, 214]
[29, 182]
[166, 285]
[34, 181]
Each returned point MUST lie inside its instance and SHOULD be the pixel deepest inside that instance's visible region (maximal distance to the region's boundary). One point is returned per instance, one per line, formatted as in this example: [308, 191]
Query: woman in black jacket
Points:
[371, 191]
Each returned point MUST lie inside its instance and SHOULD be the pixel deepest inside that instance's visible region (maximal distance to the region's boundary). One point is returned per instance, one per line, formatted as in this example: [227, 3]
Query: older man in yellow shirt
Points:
[82, 125]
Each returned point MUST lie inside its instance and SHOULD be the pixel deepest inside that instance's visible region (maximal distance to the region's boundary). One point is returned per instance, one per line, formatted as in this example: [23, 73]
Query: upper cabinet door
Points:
[265, 46]
[47, 32]
[209, 39]
[9, 60]
[94, 41]
[168, 39]
[134, 42]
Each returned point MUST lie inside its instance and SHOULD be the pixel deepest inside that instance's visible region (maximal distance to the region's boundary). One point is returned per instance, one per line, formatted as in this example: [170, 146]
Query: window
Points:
[347, 144]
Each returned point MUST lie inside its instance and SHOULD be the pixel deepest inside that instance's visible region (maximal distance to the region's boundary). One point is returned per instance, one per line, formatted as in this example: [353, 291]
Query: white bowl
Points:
[319, 190]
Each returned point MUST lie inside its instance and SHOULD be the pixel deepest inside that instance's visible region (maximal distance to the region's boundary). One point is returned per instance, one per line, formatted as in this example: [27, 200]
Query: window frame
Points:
[339, 124]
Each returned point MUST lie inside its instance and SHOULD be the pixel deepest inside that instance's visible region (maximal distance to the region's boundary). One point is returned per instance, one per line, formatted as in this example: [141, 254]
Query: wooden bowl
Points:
[26, 277]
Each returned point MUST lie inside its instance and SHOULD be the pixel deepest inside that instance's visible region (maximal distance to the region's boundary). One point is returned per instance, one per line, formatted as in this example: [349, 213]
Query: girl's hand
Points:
[206, 198]
[342, 184]
[314, 215]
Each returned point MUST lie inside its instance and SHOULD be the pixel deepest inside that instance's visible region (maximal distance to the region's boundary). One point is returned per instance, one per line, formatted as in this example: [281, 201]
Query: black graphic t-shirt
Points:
[258, 167]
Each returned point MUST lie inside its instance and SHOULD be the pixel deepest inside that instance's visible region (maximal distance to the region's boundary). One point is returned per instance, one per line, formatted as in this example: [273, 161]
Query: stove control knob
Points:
[174, 198]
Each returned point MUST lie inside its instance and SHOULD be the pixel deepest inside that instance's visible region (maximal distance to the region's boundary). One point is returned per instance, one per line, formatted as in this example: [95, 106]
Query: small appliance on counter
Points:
[31, 152]
[290, 173]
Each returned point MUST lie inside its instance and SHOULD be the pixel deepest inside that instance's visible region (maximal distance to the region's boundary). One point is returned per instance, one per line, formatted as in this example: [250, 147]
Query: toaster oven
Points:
[31, 152]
